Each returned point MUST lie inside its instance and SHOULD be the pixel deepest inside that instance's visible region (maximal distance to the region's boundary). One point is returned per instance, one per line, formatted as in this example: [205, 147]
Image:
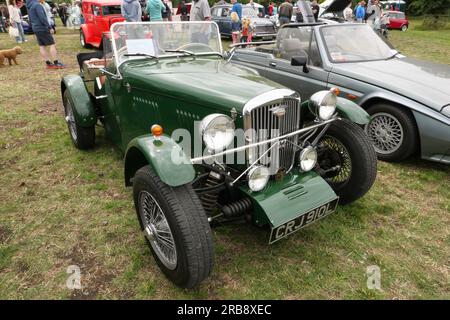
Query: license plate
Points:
[302, 221]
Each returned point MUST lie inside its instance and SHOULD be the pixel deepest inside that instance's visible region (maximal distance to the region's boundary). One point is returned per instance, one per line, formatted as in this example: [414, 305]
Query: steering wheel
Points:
[196, 47]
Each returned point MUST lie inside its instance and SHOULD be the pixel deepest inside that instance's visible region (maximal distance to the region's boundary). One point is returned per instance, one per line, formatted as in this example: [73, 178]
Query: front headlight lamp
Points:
[258, 177]
[323, 104]
[308, 158]
[217, 131]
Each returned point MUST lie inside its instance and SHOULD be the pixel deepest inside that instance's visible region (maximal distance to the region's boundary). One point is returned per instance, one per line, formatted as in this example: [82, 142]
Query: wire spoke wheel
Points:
[385, 132]
[70, 118]
[157, 230]
[339, 158]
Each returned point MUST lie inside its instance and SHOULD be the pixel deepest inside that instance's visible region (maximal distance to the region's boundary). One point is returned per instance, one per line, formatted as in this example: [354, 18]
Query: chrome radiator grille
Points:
[268, 122]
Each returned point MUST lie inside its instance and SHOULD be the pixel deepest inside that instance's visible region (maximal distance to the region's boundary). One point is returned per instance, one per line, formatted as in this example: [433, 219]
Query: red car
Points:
[398, 20]
[99, 15]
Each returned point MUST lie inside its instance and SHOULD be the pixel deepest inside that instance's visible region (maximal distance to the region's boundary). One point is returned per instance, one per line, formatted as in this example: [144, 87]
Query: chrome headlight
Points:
[258, 177]
[446, 111]
[308, 158]
[217, 131]
[323, 104]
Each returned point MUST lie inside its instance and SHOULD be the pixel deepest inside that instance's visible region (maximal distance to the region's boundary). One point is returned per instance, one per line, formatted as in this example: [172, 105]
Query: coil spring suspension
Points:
[209, 199]
[237, 208]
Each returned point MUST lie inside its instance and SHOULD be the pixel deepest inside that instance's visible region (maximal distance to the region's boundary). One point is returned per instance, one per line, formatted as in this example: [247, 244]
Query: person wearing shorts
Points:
[44, 34]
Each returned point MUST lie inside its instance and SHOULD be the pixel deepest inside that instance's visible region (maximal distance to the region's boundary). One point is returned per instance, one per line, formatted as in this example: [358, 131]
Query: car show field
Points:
[62, 207]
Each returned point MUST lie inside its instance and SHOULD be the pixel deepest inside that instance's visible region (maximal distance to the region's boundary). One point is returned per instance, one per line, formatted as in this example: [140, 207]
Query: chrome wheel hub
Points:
[385, 132]
[157, 230]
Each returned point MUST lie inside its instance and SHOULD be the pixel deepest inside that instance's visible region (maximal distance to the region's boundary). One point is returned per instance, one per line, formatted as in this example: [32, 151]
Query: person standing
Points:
[154, 10]
[200, 11]
[165, 11]
[15, 17]
[43, 32]
[48, 12]
[315, 9]
[373, 12]
[360, 12]
[270, 9]
[131, 10]
[184, 11]
[236, 20]
[348, 13]
[62, 12]
[285, 12]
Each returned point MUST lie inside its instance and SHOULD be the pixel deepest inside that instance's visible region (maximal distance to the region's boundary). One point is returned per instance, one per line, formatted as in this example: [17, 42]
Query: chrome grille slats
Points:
[267, 125]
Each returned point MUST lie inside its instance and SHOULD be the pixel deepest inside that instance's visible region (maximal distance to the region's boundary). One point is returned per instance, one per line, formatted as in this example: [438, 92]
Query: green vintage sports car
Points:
[206, 141]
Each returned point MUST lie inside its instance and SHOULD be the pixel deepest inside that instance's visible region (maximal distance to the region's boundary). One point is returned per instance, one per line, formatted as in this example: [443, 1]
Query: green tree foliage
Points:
[422, 7]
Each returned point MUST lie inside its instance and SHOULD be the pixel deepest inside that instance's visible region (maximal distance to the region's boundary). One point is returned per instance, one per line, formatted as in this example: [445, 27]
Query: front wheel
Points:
[176, 228]
[404, 28]
[347, 160]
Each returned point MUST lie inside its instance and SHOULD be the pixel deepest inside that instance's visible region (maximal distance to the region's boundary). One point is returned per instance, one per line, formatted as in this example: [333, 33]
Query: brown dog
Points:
[10, 54]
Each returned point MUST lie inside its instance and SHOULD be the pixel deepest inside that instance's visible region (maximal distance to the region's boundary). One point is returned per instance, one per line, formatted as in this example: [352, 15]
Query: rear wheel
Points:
[347, 159]
[176, 228]
[404, 27]
[392, 131]
[82, 137]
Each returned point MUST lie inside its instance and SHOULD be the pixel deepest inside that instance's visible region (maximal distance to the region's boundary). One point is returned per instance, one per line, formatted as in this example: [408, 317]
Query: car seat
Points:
[290, 48]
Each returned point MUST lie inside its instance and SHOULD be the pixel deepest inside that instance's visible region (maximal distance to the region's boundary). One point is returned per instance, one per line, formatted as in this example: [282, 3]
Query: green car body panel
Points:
[299, 192]
[83, 108]
[157, 153]
[346, 109]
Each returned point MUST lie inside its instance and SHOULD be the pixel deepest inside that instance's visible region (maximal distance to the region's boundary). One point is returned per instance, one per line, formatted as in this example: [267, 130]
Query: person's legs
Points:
[21, 32]
[53, 52]
[43, 53]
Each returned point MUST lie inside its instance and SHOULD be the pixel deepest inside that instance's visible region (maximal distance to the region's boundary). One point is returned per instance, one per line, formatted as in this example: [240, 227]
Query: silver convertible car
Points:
[408, 99]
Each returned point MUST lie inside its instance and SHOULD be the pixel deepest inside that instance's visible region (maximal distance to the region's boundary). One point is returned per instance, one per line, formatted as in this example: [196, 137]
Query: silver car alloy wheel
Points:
[70, 119]
[157, 230]
[385, 132]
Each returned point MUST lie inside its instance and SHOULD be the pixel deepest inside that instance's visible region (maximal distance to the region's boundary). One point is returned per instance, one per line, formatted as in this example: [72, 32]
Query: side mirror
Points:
[300, 61]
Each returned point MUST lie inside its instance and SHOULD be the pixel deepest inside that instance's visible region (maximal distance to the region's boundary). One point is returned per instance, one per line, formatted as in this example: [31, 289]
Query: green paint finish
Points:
[345, 108]
[282, 201]
[165, 157]
[83, 109]
[209, 82]
[352, 111]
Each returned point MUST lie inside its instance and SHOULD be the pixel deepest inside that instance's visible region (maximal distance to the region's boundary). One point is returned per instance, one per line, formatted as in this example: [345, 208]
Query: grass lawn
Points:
[60, 206]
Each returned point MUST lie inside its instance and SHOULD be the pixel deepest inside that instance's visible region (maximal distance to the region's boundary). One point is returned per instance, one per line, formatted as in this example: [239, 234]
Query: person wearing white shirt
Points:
[15, 18]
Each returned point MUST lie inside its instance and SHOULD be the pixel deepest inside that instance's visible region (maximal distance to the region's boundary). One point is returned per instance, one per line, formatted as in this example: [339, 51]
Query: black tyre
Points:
[82, 137]
[176, 228]
[404, 27]
[392, 131]
[83, 40]
[348, 160]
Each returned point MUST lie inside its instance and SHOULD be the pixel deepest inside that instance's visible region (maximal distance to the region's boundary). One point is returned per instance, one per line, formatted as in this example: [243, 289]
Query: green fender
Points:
[83, 108]
[346, 109]
[164, 155]
[352, 111]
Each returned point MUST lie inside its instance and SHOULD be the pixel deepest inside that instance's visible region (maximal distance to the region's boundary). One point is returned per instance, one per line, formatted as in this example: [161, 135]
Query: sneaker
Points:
[59, 65]
[51, 66]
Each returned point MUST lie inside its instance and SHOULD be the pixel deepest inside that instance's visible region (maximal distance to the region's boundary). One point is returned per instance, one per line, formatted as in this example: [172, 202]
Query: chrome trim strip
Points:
[238, 149]
[272, 96]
